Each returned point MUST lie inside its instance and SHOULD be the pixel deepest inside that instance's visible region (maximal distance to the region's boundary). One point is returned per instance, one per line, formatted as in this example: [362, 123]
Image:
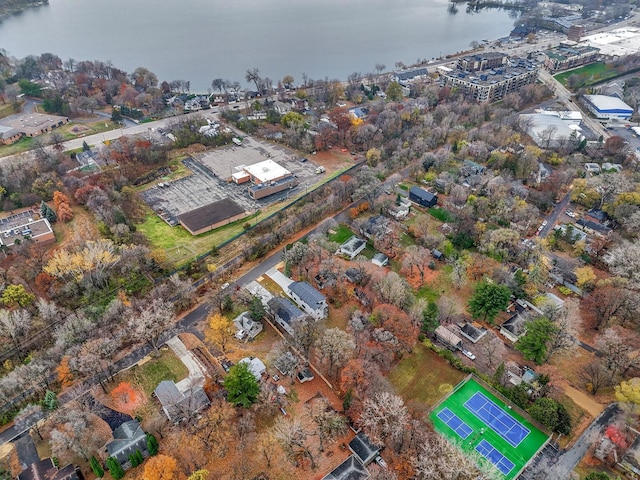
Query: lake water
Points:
[199, 40]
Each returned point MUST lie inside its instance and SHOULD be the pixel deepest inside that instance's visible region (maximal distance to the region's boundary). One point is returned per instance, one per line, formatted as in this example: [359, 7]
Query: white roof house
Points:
[604, 106]
[255, 366]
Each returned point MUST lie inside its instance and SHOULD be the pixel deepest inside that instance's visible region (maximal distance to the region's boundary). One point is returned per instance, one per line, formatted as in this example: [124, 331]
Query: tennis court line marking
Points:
[497, 419]
[490, 452]
[454, 423]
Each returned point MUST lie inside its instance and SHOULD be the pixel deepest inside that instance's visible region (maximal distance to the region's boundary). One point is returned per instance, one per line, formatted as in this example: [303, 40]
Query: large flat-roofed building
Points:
[211, 216]
[268, 178]
[39, 231]
[492, 85]
[266, 172]
[605, 107]
[568, 56]
[549, 131]
[31, 124]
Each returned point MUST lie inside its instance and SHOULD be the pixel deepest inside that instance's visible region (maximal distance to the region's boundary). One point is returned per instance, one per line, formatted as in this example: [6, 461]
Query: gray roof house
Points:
[352, 247]
[377, 226]
[127, 438]
[380, 259]
[365, 450]
[309, 299]
[285, 313]
[176, 404]
[247, 328]
[422, 197]
[351, 469]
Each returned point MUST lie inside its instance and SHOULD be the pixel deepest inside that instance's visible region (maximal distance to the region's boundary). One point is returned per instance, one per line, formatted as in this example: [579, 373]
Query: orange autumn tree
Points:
[161, 467]
[124, 393]
[65, 377]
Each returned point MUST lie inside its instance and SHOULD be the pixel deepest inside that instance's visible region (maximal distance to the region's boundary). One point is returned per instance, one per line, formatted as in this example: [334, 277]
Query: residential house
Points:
[350, 469]
[358, 113]
[472, 331]
[470, 167]
[285, 313]
[597, 216]
[592, 168]
[255, 366]
[127, 438]
[448, 338]
[400, 211]
[364, 449]
[247, 328]
[608, 167]
[46, 470]
[593, 228]
[352, 247]
[309, 299]
[354, 275]
[515, 326]
[377, 226]
[179, 405]
[422, 197]
[380, 259]
[281, 107]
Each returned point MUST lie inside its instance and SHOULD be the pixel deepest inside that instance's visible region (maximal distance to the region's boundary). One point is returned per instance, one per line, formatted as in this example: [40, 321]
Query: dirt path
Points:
[584, 401]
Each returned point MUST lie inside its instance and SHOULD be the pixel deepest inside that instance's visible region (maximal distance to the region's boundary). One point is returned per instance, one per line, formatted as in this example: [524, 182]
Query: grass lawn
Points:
[179, 245]
[20, 146]
[593, 73]
[509, 439]
[441, 214]
[424, 377]
[341, 235]
[148, 375]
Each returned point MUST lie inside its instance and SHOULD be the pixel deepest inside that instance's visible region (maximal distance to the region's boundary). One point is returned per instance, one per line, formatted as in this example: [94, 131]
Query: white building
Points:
[605, 107]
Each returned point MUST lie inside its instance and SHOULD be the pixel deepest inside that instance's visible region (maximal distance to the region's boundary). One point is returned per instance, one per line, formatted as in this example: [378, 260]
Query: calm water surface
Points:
[199, 40]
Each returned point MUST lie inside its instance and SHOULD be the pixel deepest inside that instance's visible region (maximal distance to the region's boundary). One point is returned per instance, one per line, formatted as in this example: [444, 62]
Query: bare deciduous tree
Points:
[335, 347]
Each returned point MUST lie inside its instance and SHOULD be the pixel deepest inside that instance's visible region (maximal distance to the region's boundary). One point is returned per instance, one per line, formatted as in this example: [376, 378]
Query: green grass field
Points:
[519, 455]
[592, 73]
[422, 377]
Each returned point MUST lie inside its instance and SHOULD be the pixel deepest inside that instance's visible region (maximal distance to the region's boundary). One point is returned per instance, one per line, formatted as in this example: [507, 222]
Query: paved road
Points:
[552, 218]
[558, 466]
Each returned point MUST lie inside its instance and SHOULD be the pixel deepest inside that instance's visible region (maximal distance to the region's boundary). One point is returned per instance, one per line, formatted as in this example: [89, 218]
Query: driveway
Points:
[196, 370]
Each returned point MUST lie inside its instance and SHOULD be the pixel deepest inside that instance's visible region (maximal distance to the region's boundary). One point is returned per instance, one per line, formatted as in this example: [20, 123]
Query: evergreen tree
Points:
[50, 215]
[85, 147]
[50, 401]
[152, 444]
[139, 457]
[96, 467]
[115, 469]
[242, 387]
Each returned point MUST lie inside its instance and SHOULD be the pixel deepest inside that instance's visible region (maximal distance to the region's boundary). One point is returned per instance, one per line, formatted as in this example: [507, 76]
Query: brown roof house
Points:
[211, 216]
[46, 470]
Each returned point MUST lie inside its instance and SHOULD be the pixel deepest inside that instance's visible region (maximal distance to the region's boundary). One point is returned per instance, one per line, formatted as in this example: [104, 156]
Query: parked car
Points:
[380, 461]
[468, 354]
[571, 214]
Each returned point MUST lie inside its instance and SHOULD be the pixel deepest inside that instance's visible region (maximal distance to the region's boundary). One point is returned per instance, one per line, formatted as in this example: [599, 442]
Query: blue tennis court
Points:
[489, 452]
[500, 421]
[457, 425]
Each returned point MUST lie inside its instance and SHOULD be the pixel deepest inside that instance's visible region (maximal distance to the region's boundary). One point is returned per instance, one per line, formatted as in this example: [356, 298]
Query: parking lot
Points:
[211, 172]
[222, 161]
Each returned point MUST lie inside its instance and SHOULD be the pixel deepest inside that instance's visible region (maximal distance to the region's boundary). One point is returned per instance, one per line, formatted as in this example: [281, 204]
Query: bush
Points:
[96, 467]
